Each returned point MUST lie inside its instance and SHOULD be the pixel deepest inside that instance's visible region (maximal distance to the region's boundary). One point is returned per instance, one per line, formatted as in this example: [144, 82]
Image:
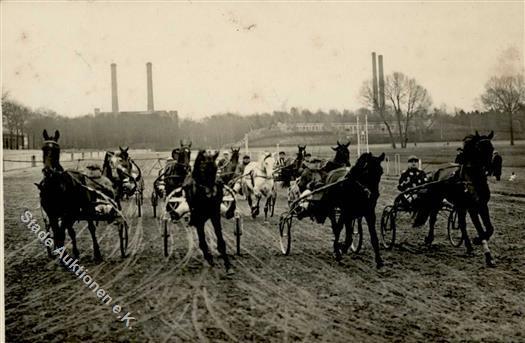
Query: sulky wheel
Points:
[138, 200]
[453, 231]
[166, 236]
[154, 203]
[285, 233]
[238, 232]
[388, 227]
[123, 235]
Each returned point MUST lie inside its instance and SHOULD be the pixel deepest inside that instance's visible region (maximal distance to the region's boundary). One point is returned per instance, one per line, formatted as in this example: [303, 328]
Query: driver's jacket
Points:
[410, 178]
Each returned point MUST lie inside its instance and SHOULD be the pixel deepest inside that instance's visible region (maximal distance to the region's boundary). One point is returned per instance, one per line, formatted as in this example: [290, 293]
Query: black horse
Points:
[467, 190]
[176, 171]
[292, 171]
[204, 195]
[117, 168]
[341, 158]
[64, 198]
[228, 171]
[355, 194]
[318, 176]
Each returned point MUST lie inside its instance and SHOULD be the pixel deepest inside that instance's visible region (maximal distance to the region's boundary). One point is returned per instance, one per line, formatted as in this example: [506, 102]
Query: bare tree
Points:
[367, 96]
[505, 94]
[407, 98]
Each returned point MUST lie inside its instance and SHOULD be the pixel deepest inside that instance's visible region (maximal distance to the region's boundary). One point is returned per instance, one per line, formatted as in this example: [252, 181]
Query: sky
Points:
[250, 57]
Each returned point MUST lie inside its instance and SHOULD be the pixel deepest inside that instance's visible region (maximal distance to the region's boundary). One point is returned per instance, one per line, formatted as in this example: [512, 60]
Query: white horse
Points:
[259, 183]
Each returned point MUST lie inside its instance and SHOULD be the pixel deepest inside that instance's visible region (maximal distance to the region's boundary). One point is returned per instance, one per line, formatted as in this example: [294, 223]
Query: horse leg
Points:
[462, 222]
[73, 236]
[485, 217]
[371, 222]
[202, 242]
[349, 233]
[96, 249]
[221, 244]
[266, 207]
[336, 228]
[431, 226]
[481, 237]
[59, 234]
[255, 209]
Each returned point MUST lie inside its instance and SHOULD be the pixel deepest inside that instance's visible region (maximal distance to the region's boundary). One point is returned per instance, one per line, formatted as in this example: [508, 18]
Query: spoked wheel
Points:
[238, 232]
[138, 200]
[154, 203]
[357, 235]
[453, 231]
[166, 237]
[123, 235]
[388, 227]
[285, 233]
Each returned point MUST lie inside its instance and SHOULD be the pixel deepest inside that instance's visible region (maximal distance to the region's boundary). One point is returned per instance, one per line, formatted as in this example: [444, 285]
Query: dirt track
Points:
[422, 293]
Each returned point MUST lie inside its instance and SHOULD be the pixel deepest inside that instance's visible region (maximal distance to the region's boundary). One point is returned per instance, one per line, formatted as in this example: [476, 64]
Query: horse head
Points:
[478, 149]
[267, 163]
[51, 151]
[368, 170]
[235, 154]
[342, 154]
[301, 150]
[205, 168]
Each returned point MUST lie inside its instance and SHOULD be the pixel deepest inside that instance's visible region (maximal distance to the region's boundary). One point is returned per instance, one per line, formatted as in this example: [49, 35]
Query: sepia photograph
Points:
[252, 171]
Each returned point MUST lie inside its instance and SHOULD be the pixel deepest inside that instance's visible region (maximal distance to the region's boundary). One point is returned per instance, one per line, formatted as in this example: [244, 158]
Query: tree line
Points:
[407, 113]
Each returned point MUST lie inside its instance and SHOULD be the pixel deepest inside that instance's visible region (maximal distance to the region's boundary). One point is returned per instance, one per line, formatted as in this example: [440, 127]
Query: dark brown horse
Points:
[64, 198]
[467, 190]
[355, 194]
[204, 195]
[228, 171]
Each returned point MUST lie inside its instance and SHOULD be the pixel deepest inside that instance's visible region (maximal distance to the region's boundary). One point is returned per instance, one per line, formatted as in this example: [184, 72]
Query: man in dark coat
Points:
[497, 163]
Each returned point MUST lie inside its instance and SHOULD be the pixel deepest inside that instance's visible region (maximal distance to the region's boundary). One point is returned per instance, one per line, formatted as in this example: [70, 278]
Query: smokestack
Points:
[114, 94]
[150, 87]
[374, 79]
[381, 83]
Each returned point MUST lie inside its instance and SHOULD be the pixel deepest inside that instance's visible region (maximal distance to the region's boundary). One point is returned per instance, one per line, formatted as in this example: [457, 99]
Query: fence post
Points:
[82, 155]
[33, 161]
[72, 157]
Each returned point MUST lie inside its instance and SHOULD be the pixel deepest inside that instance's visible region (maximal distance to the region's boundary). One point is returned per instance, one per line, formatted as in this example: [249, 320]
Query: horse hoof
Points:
[489, 260]
[428, 241]
[476, 241]
[98, 260]
[380, 264]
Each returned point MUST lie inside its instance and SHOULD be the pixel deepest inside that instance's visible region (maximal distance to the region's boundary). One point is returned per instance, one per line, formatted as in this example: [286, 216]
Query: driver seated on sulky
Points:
[411, 177]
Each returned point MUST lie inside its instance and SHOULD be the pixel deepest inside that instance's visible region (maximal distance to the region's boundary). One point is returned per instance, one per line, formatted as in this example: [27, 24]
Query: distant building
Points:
[377, 128]
[13, 140]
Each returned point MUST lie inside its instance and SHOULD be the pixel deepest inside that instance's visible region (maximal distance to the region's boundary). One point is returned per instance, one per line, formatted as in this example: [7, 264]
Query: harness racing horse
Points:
[176, 171]
[125, 175]
[467, 190]
[355, 194]
[204, 196]
[259, 181]
[310, 176]
[228, 171]
[292, 171]
[65, 198]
